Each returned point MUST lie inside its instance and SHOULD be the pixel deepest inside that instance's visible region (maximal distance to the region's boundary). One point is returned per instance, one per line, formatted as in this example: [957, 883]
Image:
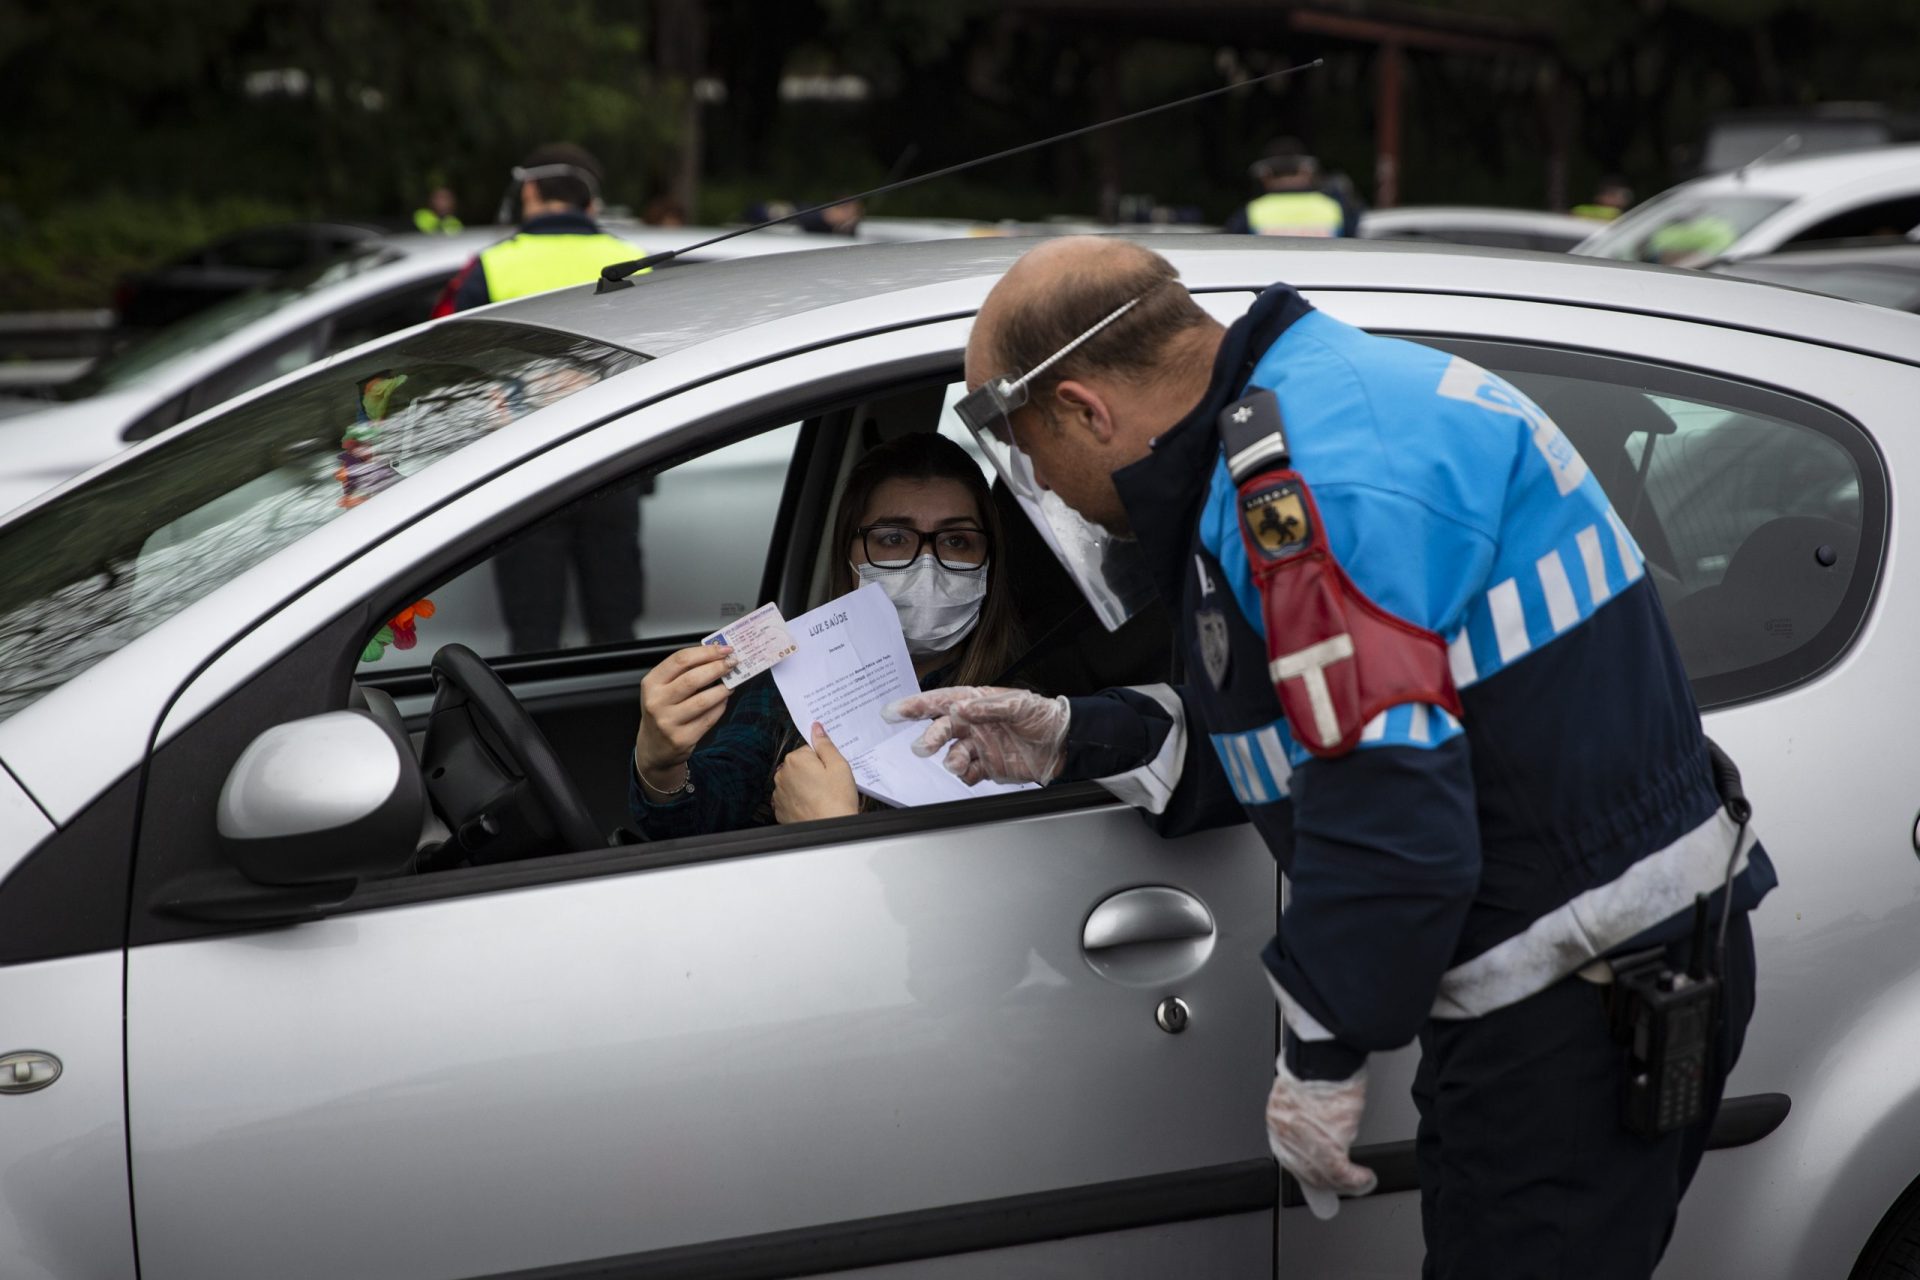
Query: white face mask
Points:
[938, 606]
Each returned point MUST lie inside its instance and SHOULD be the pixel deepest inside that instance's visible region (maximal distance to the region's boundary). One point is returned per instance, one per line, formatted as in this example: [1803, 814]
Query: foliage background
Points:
[131, 133]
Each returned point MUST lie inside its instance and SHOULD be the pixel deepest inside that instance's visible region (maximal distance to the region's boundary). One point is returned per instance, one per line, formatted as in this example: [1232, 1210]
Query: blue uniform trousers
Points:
[1536, 1177]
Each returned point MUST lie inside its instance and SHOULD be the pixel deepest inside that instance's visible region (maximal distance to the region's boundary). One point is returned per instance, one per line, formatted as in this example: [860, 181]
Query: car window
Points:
[399, 310]
[1683, 228]
[1760, 514]
[120, 553]
[1882, 219]
[665, 555]
[267, 251]
[256, 369]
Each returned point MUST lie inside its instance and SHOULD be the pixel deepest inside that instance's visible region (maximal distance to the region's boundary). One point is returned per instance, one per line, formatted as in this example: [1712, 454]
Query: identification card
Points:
[759, 640]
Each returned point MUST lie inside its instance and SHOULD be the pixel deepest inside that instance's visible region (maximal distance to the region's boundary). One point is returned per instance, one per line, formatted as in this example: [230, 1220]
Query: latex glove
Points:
[1008, 735]
[1311, 1125]
[814, 782]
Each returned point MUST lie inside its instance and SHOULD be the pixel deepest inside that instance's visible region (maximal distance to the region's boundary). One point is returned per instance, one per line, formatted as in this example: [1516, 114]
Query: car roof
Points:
[677, 308]
[1812, 175]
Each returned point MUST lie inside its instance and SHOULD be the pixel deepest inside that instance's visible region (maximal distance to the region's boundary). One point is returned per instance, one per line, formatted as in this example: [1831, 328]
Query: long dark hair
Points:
[921, 456]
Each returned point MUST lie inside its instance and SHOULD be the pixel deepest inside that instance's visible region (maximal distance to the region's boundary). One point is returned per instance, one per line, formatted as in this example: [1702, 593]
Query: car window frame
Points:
[1807, 662]
[323, 662]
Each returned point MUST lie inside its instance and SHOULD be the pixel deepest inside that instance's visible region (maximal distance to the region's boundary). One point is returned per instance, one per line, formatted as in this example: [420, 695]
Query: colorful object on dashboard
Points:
[399, 631]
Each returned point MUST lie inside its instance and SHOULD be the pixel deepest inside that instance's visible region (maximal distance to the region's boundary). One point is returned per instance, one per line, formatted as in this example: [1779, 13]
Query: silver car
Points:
[243, 1033]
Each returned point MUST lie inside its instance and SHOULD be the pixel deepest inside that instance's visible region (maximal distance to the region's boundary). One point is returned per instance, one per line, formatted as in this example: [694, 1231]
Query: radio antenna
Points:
[615, 275]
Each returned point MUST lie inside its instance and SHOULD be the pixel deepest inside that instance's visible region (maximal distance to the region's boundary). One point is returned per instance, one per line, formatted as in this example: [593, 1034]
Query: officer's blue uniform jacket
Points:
[1447, 866]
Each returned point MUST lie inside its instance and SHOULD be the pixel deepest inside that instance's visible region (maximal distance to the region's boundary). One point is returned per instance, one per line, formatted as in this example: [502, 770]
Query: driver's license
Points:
[759, 640]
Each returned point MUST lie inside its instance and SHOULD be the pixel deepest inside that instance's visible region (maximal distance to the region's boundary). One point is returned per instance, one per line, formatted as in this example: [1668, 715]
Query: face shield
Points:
[1110, 571]
[523, 175]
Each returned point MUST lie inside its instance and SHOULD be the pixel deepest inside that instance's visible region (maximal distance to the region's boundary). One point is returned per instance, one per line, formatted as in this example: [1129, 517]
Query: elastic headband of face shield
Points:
[1111, 572]
[990, 407]
[523, 174]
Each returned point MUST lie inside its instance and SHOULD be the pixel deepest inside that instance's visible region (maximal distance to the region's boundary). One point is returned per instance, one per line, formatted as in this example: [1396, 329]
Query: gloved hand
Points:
[1311, 1125]
[1008, 735]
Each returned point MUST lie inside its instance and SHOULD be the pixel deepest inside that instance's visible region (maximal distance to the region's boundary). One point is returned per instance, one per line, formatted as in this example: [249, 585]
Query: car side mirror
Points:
[326, 800]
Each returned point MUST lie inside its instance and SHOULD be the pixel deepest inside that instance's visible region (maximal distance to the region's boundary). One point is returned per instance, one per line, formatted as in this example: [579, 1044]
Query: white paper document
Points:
[851, 661]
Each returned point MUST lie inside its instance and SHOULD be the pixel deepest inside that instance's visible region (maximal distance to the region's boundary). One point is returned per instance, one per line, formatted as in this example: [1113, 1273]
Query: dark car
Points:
[229, 267]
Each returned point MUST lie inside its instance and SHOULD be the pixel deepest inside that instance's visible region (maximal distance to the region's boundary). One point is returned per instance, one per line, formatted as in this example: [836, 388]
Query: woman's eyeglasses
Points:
[896, 546]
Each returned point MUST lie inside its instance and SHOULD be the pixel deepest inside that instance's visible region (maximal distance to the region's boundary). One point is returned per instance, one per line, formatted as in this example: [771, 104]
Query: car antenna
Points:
[615, 275]
[1785, 147]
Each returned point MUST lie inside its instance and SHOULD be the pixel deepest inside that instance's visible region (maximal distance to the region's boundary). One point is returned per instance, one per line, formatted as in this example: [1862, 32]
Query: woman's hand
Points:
[814, 782]
[680, 700]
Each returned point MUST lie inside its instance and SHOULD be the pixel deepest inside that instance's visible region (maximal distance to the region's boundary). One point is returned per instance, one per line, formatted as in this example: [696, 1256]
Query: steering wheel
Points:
[492, 775]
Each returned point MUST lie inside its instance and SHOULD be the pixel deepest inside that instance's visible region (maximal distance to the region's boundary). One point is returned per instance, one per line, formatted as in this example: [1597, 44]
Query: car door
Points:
[934, 1041]
[1753, 472]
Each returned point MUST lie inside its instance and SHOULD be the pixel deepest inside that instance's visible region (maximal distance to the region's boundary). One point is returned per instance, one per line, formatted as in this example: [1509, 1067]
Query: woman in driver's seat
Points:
[916, 519]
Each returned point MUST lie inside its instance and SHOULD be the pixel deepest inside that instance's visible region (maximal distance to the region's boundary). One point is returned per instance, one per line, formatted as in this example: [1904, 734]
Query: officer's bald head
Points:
[1061, 288]
[1100, 407]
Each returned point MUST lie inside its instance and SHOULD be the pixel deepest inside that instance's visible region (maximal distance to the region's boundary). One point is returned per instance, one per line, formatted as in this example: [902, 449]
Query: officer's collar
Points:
[1163, 491]
[570, 223]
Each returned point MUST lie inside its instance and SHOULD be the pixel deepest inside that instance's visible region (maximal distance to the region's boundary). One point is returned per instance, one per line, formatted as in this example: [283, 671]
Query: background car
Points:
[1764, 207]
[229, 267]
[1885, 275]
[1486, 227]
[374, 289]
[933, 1039]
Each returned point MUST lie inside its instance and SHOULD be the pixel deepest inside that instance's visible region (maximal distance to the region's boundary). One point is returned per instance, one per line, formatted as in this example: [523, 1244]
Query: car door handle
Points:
[1148, 937]
[27, 1071]
[1155, 913]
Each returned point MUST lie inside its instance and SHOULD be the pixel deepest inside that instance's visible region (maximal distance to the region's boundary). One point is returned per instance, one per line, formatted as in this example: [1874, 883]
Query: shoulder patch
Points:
[1274, 520]
[1335, 657]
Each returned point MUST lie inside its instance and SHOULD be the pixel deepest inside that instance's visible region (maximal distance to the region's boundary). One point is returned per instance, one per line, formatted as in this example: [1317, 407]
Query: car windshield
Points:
[151, 357]
[1684, 228]
[134, 544]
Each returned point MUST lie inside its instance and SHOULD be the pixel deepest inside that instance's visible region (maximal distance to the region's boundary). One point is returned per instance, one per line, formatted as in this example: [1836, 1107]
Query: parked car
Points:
[1488, 228]
[927, 1039]
[229, 267]
[374, 289]
[1763, 207]
[1885, 275]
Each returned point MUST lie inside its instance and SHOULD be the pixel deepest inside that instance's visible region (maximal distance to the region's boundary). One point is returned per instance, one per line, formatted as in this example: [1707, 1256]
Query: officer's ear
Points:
[1079, 405]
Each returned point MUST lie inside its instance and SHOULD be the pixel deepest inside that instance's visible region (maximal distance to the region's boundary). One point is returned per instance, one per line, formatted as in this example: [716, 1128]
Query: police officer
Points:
[1425, 659]
[1296, 201]
[560, 244]
[437, 217]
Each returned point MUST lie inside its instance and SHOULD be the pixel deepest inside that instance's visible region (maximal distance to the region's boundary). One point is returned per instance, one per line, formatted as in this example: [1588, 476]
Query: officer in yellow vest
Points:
[436, 217]
[1296, 202]
[1611, 198]
[558, 243]
[598, 537]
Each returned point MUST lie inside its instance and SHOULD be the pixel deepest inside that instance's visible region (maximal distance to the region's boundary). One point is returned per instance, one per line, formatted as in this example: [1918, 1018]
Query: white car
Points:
[376, 288]
[243, 1034]
[371, 290]
[1763, 206]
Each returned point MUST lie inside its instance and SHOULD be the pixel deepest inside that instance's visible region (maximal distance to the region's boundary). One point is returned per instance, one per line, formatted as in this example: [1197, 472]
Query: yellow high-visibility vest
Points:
[1295, 213]
[430, 223]
[536, 263]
